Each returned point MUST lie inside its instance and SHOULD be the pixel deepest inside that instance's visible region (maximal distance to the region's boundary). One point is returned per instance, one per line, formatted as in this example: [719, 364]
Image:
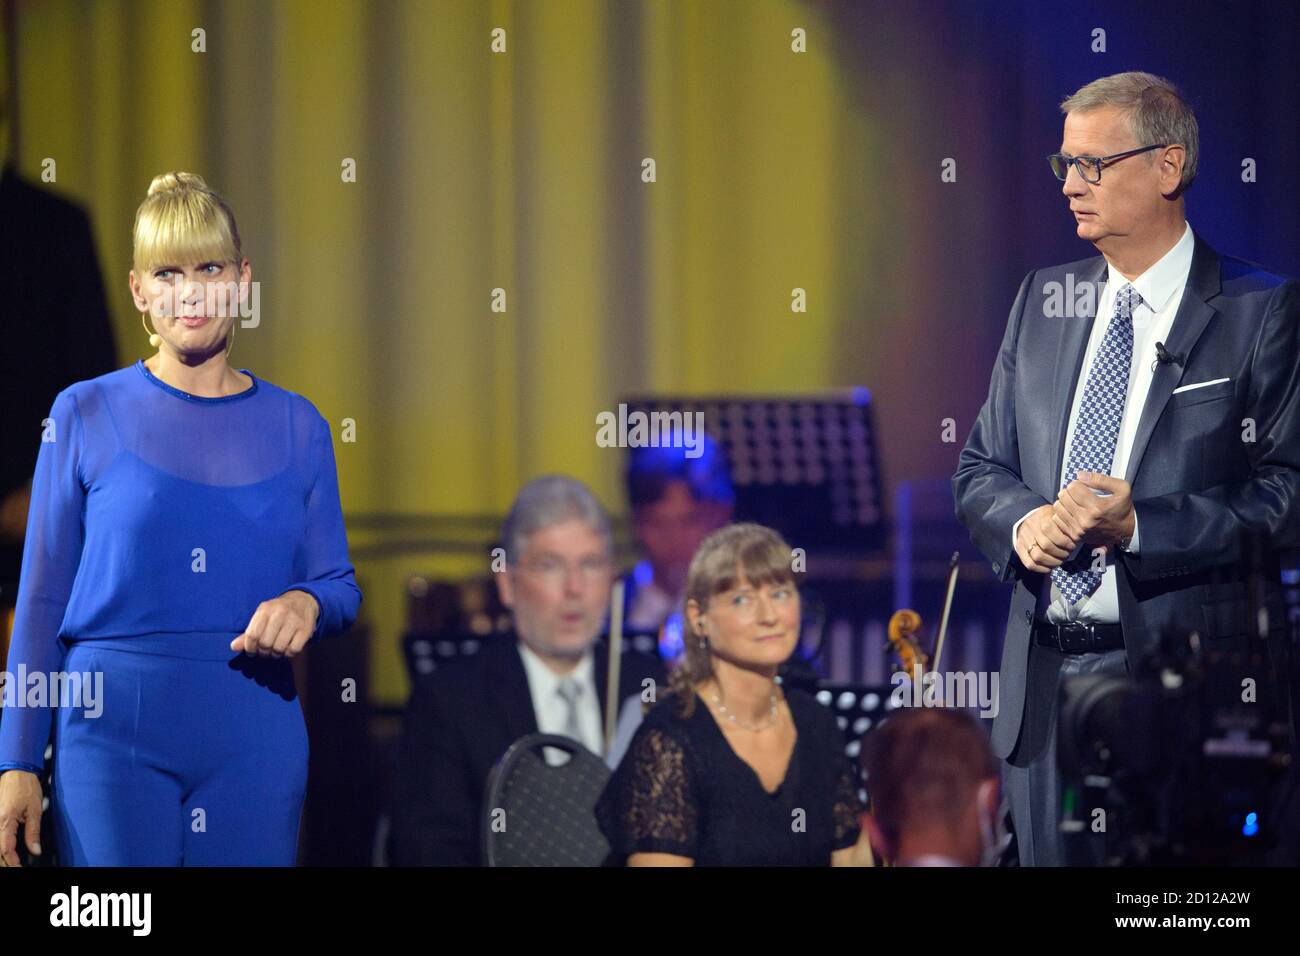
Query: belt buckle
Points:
[1075, 637]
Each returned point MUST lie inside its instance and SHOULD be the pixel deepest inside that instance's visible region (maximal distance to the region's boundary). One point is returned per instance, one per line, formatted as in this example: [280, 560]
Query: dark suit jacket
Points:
[1197, 485]
[55, 325]
[459, 721]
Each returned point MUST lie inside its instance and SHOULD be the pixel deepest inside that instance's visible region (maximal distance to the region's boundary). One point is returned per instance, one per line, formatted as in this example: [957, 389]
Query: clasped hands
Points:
[1050, 534]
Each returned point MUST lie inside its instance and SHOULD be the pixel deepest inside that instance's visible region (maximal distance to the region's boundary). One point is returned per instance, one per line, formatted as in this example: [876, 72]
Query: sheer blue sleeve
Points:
[330, 579]
[51, 555]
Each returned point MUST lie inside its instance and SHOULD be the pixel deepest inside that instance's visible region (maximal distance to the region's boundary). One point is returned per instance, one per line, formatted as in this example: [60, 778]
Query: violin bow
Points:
[947, 609]
[615, 653]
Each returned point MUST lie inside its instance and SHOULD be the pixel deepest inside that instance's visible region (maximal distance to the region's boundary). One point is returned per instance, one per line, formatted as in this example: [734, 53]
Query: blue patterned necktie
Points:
[1092, 447]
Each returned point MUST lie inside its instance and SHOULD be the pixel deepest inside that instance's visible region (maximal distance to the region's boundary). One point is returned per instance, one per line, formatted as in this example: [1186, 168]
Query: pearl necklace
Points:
[771, 717]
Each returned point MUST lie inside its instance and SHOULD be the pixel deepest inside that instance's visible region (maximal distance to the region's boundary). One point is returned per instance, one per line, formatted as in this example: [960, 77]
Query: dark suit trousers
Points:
[1031, 782]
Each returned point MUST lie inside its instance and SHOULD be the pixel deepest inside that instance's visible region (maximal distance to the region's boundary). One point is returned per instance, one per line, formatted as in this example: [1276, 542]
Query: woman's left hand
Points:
[280, 627]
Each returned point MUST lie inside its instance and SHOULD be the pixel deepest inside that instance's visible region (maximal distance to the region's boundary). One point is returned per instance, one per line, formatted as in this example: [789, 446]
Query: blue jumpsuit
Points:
[159, 520]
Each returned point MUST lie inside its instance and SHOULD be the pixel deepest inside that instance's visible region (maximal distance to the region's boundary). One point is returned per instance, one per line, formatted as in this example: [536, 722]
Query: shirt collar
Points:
[1164, 277]
[543, 681]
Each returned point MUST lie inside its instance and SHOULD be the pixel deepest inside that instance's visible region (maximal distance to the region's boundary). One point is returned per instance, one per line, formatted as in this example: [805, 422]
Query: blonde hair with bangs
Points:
[182, 220]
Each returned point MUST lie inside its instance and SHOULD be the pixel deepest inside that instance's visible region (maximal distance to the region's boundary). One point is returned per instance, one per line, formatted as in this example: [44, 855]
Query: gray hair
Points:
[551, 500]
[1156, 112]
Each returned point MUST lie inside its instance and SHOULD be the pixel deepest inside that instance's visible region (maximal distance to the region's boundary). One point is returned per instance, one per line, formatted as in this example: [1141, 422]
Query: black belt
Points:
[1077, 637]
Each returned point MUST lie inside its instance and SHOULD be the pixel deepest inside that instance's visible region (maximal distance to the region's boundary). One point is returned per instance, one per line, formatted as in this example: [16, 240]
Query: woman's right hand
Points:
[20, 802]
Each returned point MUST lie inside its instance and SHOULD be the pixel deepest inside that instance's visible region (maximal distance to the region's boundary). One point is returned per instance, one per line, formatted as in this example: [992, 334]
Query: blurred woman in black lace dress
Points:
[730, 769]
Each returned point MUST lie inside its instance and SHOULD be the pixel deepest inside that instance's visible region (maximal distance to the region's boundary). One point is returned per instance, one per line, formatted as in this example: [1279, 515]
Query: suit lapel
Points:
[1071, 346]
[516, 699]
[600, 666]
[1194, 314]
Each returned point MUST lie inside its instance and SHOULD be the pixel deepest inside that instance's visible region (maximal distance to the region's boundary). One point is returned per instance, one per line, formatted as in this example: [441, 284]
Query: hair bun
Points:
[176, 180]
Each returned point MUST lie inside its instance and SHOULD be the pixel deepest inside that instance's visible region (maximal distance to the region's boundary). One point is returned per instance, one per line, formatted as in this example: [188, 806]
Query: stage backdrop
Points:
[525, 171]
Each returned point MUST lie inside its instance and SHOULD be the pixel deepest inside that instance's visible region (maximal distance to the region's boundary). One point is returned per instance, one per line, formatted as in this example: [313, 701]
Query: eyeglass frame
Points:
[555, 570]
[1078, 161]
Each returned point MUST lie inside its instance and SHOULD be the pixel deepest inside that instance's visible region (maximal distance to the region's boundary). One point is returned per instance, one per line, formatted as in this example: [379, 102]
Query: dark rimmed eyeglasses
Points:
[1089, 167]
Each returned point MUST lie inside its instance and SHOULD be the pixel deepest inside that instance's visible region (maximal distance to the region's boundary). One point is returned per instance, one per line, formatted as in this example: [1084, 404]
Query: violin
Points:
[905, 624]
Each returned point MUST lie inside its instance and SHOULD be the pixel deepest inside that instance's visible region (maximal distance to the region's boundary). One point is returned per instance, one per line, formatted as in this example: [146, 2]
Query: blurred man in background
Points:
[56, 333]
[676, 503]
[549, 677]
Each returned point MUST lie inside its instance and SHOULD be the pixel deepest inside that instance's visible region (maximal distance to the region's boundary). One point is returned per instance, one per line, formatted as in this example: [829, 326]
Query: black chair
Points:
[536, 814]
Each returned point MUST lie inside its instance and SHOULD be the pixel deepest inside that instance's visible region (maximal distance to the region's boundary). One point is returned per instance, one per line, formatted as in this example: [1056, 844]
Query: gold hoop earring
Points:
[154, 338]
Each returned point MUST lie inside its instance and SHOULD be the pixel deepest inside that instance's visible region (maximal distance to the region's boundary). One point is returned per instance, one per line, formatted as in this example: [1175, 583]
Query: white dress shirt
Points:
[1161, 288]
[551, 709]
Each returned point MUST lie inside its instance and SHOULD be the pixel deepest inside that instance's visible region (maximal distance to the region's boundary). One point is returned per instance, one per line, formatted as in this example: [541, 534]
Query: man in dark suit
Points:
[1143, 420]
[550, 677]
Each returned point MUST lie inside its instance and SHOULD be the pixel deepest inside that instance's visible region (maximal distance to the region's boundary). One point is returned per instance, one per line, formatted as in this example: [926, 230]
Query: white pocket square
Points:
[1188, 388]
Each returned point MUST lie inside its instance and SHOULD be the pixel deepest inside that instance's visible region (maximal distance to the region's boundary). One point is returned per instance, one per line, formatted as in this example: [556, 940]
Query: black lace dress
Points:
[682, 789]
